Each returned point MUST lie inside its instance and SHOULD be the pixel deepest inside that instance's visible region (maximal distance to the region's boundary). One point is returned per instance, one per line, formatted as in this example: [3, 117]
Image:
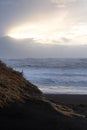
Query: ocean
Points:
[57, 76]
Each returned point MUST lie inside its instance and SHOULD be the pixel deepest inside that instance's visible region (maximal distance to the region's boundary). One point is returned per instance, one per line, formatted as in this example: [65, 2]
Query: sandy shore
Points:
[68, 98]
[76, 102]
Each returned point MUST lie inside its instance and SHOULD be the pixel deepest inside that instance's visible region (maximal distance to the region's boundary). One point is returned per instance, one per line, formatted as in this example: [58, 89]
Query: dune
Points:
[24, 106]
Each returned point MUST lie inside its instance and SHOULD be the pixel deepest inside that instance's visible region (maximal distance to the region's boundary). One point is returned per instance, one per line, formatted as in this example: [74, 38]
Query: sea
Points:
[54, 76]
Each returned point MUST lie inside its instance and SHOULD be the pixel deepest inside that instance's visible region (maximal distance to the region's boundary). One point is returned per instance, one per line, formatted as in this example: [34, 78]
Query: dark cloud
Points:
[10, 48]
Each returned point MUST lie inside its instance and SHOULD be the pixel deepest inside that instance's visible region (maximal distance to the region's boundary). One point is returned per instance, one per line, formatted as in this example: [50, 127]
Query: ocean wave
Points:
[49, 63]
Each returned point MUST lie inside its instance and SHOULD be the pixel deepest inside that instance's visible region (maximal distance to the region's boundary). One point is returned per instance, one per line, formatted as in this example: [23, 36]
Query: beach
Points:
[68, 98]
[77, 102]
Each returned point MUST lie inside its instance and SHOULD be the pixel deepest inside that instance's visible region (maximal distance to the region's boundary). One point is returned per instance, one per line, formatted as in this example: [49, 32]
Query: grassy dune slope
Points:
[14, 87]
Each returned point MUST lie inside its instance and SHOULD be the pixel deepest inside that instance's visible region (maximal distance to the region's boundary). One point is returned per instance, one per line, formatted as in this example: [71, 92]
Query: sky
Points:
[43, 28]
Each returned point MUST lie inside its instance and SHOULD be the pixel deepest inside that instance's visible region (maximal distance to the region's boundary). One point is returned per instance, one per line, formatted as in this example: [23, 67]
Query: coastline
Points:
[24, 106]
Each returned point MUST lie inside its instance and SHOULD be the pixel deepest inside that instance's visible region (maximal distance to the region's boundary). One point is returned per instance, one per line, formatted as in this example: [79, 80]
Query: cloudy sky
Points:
[43, 28]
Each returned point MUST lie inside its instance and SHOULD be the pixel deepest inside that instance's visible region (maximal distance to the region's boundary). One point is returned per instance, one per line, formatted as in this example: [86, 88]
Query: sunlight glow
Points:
[46, 31]
[49, 34]
[43, 33]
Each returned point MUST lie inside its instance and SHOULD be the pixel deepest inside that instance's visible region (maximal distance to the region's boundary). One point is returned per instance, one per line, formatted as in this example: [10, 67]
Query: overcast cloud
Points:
[58, 28]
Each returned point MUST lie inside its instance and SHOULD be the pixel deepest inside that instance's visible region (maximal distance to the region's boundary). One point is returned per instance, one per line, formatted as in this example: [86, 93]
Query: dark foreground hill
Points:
[23, 106]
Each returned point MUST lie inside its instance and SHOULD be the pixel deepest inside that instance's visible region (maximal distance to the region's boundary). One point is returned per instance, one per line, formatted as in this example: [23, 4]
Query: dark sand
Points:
[77, 102]
[68, 98]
